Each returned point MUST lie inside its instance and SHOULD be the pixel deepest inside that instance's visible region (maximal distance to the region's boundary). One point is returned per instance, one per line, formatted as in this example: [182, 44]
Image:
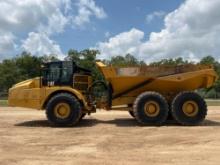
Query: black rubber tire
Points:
[180, 116]
[170, 116]
[131, 113]
[142, 117]
[75, 114]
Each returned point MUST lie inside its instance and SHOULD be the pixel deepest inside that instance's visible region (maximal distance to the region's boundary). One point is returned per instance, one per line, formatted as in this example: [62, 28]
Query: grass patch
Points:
[3, 103]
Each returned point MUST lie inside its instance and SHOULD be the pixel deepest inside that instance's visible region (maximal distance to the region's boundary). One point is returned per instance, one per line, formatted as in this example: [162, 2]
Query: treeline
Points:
[25, 66]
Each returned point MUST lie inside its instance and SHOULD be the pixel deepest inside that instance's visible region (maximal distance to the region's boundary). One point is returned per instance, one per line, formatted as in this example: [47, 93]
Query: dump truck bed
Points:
[128, 83]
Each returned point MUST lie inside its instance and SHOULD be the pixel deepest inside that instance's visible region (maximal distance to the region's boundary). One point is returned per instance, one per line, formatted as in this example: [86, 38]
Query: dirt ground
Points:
[106, 138]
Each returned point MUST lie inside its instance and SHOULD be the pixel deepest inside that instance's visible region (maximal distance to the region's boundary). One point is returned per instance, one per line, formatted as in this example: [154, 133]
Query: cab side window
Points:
[67, 71]
[54, 73]
[58, 73]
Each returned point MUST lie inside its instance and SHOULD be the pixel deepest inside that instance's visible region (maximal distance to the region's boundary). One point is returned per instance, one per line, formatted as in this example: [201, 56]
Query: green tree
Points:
[215, 89]
[125, 61]
[9, 74]
[86, 59]
[208, 60]
[48, 58]
[17, 69]
[170, 62]
[73, 55]
[28, 65]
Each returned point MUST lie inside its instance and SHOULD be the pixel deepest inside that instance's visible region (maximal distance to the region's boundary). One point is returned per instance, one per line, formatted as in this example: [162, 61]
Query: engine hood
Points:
[24, 94]
[30, 83]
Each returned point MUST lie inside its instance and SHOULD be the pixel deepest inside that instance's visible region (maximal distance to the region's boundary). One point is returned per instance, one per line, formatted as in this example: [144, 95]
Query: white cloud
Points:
[39, 20]
[191, 31]
[156, 14]
[86, 9]
[6, 43]
[40, 43]
[126, 42]
[22, 17]
[30, 15]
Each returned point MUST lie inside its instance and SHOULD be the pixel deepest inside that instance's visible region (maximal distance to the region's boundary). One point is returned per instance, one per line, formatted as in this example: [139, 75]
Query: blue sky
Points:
[122, 16]
[151, 30]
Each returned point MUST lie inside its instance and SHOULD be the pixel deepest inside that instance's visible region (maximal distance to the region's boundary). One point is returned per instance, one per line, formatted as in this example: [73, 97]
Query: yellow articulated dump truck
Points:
[66, 92]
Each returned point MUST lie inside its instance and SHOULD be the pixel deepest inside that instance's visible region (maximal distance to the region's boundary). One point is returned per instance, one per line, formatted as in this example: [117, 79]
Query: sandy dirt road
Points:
[106, 138]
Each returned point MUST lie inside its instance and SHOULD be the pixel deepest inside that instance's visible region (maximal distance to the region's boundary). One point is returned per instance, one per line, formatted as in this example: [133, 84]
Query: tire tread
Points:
[136, 102]
[185, 123]
[60, 95]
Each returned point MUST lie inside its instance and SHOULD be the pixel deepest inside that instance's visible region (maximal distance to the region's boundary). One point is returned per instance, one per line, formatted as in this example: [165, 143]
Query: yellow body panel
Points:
[26, 94]
[30, 94]
[163, 80]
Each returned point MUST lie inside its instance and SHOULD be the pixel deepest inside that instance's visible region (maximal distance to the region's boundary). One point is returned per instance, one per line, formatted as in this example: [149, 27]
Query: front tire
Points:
[189, 108]
[63, 109]
[150, 108]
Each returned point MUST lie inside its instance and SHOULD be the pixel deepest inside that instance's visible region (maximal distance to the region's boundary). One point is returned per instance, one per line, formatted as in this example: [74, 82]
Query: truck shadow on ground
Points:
[119, 122]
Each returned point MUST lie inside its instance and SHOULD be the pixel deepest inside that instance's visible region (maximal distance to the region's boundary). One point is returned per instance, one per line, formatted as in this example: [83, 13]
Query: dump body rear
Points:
[128, 83]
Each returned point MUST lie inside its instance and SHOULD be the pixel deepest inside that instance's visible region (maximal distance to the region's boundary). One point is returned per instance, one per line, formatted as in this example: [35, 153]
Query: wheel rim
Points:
[62, 110]
[151, 108]
[190, 108]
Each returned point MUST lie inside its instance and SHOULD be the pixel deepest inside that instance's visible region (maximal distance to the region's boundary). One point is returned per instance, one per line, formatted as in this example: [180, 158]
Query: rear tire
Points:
[150, 108]
[63, 110]
[189, 108]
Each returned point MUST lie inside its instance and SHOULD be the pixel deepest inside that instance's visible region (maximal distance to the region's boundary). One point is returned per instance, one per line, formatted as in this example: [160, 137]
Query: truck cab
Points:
[62, 73]
[55, 77]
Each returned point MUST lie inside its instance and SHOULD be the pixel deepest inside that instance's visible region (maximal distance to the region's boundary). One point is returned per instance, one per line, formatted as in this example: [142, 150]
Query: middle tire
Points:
[150, 108]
